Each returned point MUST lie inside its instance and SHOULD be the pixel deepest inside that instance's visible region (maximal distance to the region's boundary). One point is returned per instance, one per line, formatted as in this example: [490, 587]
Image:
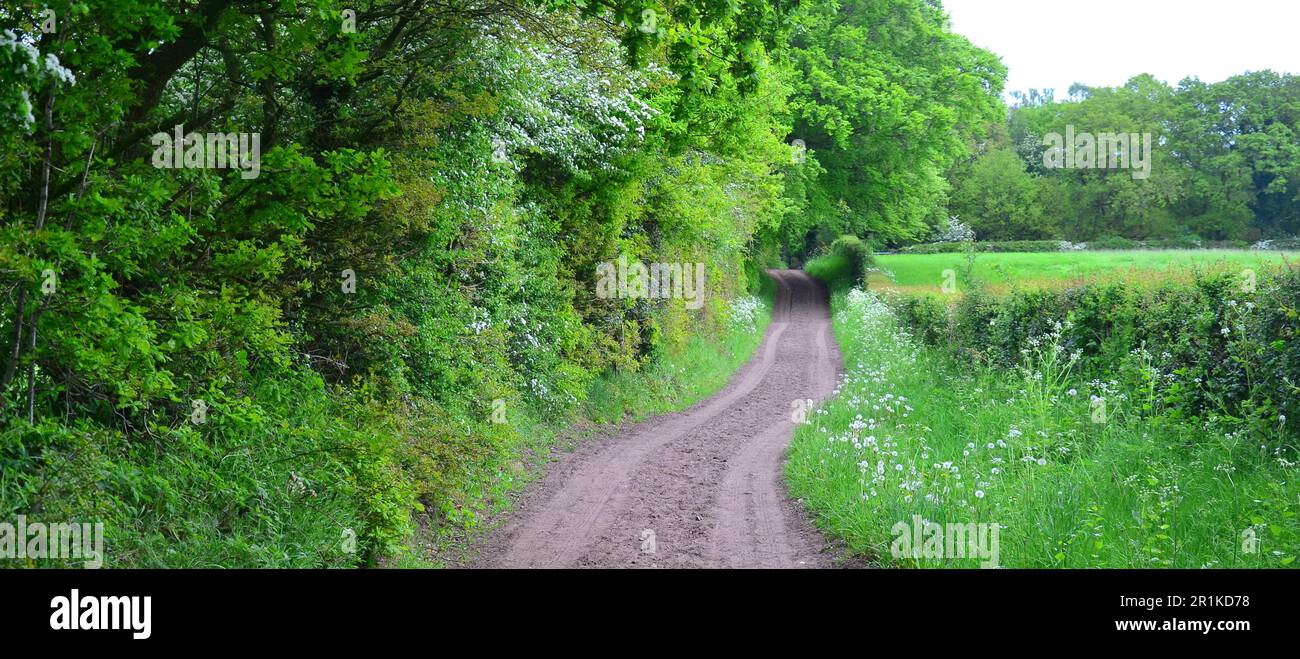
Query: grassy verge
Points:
[677, 381]
[915, 432]
[671, 382]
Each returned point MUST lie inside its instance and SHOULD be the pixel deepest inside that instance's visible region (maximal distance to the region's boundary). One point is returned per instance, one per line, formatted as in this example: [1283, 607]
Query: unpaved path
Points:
[707, 481]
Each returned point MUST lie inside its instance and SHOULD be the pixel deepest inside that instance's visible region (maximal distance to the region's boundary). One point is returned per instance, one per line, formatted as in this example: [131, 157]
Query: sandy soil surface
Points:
[699, 488]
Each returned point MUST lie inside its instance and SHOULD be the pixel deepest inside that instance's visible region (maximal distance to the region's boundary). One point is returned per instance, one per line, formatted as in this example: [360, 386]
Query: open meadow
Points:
[920, 273]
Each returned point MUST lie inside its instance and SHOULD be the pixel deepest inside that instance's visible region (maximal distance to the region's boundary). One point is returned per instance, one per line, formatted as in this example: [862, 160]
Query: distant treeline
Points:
[1224, 163]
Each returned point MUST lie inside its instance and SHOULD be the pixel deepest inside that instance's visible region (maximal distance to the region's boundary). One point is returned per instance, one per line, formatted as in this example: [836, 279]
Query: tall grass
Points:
[1070, 471]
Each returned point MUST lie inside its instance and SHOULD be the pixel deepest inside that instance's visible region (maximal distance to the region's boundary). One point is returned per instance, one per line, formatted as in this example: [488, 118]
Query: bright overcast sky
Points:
[1055, 43]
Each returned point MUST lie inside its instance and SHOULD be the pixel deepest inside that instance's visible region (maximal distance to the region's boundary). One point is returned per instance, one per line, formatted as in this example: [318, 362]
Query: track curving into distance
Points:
[707, 481]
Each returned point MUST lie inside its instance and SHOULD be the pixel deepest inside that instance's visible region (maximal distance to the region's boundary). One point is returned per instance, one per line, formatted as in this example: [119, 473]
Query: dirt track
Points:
[706, 481]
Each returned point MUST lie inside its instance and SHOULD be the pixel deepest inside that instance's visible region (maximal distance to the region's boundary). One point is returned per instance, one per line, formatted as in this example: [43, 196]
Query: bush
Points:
[846, 264]
[830, 268]
[857, 254]
[925, 315]
[1205, 350]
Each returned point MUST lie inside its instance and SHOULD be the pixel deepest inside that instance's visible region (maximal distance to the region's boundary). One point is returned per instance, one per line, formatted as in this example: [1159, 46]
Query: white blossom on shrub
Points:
[583, 117]
[954, 231]
[22, 70]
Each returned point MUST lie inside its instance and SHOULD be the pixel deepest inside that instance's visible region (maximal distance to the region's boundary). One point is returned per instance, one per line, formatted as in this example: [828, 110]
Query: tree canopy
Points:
[230, 360]
[1223, 167]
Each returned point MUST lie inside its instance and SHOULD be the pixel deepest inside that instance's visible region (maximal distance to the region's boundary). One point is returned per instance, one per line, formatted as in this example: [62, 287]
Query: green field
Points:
[925, 272]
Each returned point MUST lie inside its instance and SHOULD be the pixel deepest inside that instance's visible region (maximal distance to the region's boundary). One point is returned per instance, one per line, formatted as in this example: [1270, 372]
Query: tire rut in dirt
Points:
[707, 481]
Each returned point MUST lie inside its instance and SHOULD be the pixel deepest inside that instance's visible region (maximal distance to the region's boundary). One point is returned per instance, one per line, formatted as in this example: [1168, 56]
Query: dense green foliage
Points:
[260, 367]
[885, 99]
[1223, 349]
[849, 258]
[1223, 164]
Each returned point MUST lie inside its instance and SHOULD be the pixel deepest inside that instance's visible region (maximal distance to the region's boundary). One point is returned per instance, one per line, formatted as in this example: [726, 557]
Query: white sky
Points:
[1055, 43]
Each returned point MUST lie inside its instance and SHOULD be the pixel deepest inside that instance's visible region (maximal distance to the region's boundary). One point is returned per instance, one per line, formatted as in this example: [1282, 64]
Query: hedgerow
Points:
[1224, 347]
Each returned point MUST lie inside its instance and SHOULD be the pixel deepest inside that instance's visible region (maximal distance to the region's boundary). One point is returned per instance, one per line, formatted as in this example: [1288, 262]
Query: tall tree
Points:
[886, 97]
